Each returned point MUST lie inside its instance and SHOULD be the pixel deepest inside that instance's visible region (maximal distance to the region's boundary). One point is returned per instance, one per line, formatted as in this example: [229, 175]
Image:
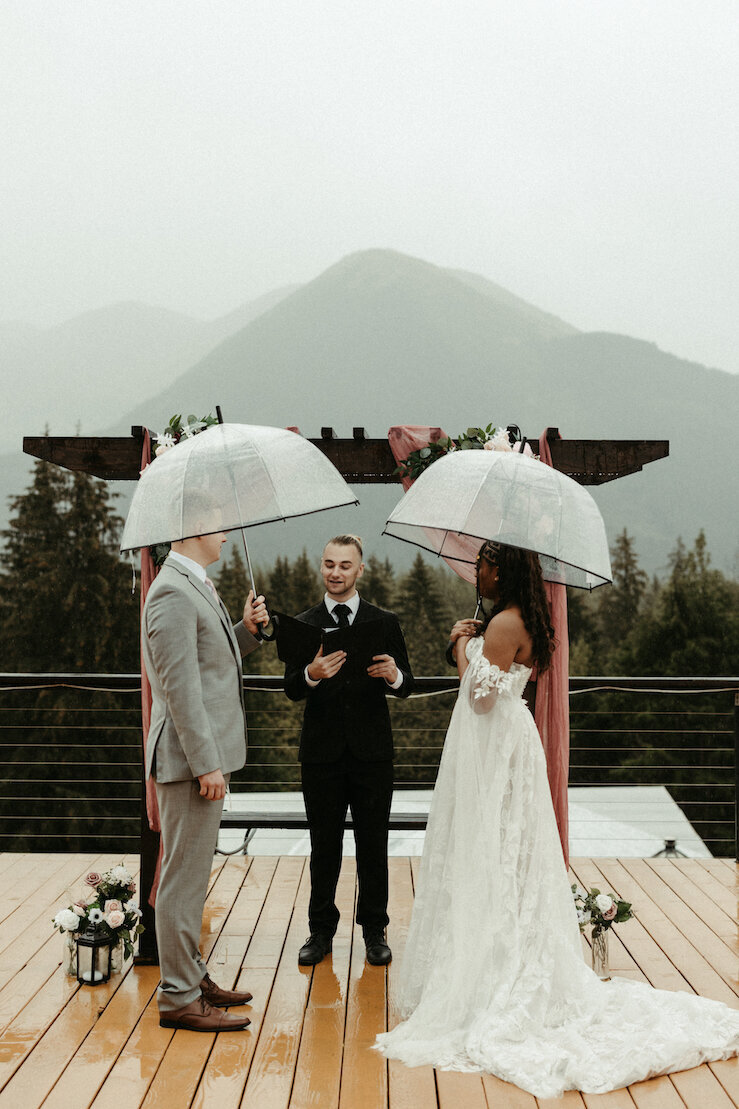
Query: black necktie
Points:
[341, 612]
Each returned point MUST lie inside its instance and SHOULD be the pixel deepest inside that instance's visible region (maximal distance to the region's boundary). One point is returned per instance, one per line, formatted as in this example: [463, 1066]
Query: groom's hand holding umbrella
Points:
[255, 613]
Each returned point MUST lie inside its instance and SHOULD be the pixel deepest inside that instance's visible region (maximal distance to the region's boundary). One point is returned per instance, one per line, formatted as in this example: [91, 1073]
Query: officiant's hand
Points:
[383, 666]
[326, 666]
[255, 613]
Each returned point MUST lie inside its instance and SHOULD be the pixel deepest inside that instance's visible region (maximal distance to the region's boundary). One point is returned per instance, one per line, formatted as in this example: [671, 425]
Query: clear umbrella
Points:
[232, 476]
[467, 497]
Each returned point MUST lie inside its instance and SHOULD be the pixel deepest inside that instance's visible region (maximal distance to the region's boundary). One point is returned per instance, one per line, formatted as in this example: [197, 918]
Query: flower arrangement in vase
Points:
[105, 906]
[601, 911]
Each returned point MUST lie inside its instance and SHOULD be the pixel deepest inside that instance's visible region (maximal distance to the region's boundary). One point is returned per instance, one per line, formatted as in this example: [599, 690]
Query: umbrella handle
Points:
[265, 636]
[262, 634]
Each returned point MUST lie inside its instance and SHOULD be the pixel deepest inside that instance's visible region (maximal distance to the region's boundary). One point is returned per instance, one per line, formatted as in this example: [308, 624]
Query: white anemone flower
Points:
[192, 429]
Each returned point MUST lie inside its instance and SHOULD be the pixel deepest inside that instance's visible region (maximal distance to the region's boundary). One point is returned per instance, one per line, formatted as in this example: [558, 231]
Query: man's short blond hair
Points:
[346, 541]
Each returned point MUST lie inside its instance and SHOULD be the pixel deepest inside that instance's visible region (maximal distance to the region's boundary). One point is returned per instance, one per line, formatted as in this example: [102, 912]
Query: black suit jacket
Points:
[349, 713]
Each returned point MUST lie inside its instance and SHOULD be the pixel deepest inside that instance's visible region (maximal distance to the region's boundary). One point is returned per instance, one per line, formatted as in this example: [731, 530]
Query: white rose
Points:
[500, 440]
[603, 902]
[67, 920]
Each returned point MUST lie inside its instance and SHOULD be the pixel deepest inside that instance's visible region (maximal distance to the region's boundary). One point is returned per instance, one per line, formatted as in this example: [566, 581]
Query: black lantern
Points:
[93, 958]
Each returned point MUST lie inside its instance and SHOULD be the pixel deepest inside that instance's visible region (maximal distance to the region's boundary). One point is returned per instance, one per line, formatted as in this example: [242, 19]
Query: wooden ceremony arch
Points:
[361, 461]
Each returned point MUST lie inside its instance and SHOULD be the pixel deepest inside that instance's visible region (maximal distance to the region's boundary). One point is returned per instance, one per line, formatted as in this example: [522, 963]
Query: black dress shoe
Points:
[315, 947]
[378, 952]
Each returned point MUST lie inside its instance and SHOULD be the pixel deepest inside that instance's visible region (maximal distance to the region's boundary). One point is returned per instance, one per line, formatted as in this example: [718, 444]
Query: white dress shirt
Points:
[353, 605]
[189, 564]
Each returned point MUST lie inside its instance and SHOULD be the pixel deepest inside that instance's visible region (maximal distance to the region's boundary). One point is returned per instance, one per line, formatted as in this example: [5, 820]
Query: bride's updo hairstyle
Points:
[520, 583]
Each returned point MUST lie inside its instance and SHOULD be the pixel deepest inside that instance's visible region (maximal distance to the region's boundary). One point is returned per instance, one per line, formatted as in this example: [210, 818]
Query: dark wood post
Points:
[736, 775]
[148, 953]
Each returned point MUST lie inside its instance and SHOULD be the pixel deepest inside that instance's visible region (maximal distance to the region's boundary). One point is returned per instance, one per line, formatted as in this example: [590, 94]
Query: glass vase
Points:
[600, 954]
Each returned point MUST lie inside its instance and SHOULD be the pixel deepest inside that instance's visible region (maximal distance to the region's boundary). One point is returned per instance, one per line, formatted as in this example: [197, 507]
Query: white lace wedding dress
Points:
[493, 977]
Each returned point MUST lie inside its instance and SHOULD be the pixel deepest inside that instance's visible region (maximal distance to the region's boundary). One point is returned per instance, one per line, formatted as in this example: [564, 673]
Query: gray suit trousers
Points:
[189, 836]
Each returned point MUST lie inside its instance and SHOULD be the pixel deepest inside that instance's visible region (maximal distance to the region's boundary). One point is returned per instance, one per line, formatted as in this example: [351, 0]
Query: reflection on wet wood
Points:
[309, 1043]
[318, 1070]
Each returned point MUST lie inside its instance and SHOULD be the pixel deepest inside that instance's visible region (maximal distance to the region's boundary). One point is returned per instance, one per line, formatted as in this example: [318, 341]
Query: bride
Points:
[493, 978]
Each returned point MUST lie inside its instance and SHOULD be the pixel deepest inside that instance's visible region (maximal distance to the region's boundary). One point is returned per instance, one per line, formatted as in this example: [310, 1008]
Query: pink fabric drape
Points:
[148, 573]
[552, 712]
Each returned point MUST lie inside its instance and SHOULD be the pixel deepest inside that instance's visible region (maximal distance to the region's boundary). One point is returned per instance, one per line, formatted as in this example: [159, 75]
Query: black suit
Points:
[346, 752]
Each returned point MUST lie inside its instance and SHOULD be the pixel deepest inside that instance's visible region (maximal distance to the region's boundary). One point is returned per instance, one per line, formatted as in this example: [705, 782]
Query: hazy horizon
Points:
[582, 156]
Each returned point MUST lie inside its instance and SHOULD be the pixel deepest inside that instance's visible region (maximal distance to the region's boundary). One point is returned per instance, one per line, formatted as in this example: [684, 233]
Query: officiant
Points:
[346, 746]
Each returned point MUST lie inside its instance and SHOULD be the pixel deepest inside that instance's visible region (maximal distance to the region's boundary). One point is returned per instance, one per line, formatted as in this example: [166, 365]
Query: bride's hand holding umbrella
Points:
[463, 629]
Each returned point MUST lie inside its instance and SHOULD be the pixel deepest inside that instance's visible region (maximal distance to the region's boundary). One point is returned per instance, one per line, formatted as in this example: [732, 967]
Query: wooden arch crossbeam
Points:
[359, 460]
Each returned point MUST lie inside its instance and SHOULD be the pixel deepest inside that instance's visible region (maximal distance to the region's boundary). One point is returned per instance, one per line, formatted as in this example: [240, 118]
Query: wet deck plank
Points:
[309, 1042]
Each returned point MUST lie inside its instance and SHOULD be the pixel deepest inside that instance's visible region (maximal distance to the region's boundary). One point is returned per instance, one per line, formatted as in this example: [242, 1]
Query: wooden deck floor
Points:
[69, 1048]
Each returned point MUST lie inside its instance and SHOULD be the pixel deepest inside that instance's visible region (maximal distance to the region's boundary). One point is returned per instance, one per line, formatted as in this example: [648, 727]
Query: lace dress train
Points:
[493, 977]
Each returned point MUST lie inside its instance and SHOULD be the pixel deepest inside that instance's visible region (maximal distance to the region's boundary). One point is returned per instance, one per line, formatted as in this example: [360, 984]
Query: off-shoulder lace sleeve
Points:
[486, 681]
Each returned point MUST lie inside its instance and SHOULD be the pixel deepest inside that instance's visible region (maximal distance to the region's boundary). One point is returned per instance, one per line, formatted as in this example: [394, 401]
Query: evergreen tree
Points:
[692, 627]
[619, 604]
[66, 606]
[280, 595]
[584, 632]
[65, 597]
[305, 584]
[232, 583]
[32, 620]
[424, 618]
[377, 584]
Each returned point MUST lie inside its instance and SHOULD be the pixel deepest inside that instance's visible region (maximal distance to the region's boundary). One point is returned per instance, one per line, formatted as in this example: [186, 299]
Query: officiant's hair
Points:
[520, 581]
[347, 541]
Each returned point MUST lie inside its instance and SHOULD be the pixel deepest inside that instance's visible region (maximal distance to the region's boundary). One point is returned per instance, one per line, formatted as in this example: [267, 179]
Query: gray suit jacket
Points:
[192, 655]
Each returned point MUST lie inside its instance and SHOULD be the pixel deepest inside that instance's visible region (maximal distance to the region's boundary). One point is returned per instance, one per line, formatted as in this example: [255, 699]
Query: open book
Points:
[298, 643]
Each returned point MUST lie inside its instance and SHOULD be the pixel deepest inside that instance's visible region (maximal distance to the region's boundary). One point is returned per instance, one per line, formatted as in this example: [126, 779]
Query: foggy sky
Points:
[580, 153]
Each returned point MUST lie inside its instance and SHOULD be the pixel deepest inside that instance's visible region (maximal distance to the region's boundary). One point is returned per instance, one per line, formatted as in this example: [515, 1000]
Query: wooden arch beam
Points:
[361, 461]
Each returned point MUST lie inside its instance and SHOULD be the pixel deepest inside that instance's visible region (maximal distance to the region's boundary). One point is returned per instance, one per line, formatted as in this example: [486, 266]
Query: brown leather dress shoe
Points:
[216, 995]
[199, 1016]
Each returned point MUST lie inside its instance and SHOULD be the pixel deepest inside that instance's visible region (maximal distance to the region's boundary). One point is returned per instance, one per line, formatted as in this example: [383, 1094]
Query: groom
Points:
[197, 738]
[346, 754]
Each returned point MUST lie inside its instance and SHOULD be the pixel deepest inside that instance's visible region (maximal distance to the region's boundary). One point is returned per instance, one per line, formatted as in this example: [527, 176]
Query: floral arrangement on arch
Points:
[474, 438]
[105, 906]
[173, 434]
[601, 910]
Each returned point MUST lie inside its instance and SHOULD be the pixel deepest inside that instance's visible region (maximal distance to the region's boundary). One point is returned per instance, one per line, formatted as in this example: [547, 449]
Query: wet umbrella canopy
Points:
[231, 476]
[469, 496]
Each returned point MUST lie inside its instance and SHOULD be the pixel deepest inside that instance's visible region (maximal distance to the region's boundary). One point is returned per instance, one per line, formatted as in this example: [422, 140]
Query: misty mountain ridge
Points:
[104, 357]
[380, 338]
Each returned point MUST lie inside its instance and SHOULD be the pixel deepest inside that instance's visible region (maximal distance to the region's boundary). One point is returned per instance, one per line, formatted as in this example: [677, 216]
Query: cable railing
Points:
[71, 767]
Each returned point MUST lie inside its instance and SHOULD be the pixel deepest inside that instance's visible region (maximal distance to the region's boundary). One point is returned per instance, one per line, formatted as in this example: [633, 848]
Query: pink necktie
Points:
[212, 588]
